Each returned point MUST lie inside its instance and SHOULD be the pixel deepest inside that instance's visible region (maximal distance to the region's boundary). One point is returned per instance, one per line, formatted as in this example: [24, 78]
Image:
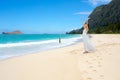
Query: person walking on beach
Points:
[88, 47]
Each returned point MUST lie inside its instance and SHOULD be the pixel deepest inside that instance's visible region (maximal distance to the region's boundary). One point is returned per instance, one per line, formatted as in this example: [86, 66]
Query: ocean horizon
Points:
[16, 45]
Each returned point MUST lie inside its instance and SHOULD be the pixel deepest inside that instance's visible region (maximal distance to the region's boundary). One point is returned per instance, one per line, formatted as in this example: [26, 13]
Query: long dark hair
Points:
[88, 22]
[88, 25]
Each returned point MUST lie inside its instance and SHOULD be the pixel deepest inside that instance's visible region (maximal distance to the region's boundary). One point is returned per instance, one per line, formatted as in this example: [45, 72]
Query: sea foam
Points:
[27, 47]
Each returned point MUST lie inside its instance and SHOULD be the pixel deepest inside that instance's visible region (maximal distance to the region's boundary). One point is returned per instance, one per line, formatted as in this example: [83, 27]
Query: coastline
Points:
[68, 63]
[12, 48]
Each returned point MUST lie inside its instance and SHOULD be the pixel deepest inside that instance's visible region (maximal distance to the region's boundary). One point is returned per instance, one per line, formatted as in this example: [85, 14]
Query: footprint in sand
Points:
[101, 76]
[89, 78]
[94, 59]
[101, 59]
[99, 62]
[90, 66]
[84, 72]
[75, 51]
[88, 62]
[98, 56]
[99, 65]
[94, 70]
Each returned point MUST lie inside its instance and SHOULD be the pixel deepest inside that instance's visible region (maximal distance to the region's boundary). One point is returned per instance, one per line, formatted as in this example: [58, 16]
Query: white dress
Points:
[87, 43]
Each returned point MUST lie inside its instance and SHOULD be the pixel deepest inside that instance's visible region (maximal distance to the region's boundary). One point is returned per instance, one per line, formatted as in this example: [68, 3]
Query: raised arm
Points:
[87, 21]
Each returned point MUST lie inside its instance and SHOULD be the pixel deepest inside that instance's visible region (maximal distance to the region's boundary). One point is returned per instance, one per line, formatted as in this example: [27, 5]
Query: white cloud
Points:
[96, 2]
[83, 13]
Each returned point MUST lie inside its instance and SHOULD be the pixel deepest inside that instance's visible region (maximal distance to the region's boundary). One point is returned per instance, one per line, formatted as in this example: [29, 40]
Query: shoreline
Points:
[18, 49]
[40, 52]
[68, 63]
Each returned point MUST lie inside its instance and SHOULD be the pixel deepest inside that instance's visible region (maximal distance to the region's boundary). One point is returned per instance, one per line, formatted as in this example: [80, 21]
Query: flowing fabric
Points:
[87, 43]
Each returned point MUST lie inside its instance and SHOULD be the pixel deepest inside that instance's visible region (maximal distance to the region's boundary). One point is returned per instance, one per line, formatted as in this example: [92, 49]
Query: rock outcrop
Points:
[105, 14]
[104, 19]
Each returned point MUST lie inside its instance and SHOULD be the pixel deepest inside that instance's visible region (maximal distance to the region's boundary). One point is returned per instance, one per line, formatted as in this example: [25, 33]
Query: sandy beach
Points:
[68, 63]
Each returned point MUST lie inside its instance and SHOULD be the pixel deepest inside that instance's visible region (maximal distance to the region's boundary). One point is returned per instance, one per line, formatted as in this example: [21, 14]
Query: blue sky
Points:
[45, 16]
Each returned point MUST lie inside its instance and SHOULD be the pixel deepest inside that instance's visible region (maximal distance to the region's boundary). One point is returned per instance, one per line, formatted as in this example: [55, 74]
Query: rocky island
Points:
[13, 32]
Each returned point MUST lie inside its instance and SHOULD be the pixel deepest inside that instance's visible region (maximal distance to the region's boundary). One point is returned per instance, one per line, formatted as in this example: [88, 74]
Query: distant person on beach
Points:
[59, 40]
[88, 47]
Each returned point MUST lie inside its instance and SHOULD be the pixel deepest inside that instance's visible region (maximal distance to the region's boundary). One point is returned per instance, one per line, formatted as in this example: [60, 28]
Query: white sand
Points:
[68, 63]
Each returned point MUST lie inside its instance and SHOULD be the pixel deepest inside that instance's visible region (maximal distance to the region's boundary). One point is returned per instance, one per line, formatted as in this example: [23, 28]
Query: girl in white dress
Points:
[86, 40]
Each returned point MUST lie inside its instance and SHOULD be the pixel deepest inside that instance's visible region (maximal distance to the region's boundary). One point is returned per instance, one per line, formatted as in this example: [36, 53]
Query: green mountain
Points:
[104, 19]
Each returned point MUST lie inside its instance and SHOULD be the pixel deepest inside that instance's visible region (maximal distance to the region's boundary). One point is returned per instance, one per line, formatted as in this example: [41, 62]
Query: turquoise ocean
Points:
[17, 45]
